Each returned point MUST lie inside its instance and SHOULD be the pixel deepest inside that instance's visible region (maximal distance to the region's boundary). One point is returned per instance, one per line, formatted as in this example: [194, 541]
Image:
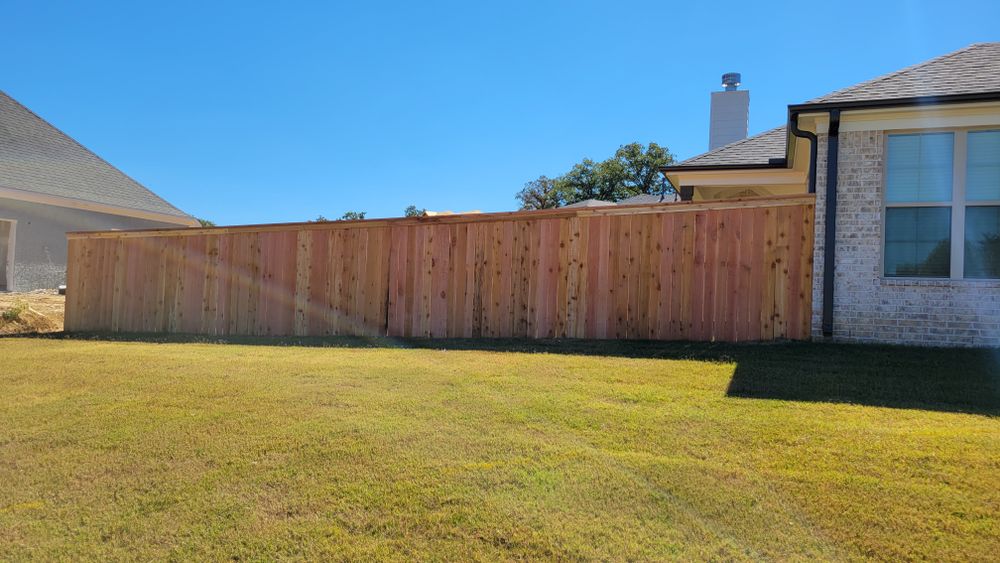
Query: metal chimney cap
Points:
[731, 81]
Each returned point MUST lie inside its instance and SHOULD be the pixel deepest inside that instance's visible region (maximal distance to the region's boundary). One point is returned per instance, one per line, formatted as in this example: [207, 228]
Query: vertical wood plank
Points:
[744, 272]
[618, 253]
[781, 285]
[519, 281]
[688, 286]
[793, 277]
[712, 268]
[652, 252]
[561, 296]
[582, 267]
[770, 273]
[700, 281]
[505, 324]
[806, 270]
[665, 249]
[758, 276]
[222, 295]
[440, 266]
[471, 292]
[574, 259]
[303, 266]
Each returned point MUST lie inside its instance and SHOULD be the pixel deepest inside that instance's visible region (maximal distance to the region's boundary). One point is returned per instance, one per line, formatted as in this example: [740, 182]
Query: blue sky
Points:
[248, 112]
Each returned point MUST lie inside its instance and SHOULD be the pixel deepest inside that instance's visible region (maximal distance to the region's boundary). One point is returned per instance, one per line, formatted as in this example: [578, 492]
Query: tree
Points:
[206, 223]
[320, 219]
[581, 182]
[412, 211]
[640, 169]
[593, 180]
[634, 169]
[543, 193]
[352, 215]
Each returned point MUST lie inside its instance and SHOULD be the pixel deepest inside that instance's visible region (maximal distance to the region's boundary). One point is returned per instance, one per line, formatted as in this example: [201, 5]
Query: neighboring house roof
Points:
[640, 199]
[648, 198]
[972, 70]
[428, 213]
[591, 203]
[36, 159]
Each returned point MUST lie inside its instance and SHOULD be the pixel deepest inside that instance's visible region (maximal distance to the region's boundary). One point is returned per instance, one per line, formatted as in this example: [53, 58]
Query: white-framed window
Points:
[942, 204]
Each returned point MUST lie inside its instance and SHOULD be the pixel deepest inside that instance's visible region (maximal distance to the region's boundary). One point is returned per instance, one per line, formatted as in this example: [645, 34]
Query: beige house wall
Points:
[869, 307]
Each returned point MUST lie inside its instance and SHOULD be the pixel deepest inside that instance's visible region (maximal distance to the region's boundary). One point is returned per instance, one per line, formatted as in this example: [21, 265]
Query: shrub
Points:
[13, 313]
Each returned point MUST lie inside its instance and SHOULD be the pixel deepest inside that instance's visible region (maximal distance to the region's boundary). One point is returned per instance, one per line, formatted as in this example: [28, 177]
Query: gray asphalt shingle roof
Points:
[756, 150]
[643, 199]
[37, 157]
[591, 203]
[972, 70]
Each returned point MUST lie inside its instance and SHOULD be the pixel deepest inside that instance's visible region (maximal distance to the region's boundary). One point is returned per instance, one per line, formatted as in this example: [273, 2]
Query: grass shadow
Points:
[940, 379]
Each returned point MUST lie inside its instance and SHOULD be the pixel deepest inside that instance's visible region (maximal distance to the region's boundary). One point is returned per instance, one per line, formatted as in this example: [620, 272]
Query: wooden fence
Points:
[728, 270]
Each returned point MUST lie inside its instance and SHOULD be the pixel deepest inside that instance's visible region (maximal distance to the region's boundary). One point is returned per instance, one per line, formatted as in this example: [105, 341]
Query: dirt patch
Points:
[32, 312]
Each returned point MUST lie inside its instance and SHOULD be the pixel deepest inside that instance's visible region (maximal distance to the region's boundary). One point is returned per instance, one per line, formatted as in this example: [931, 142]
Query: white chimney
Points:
[730, 113]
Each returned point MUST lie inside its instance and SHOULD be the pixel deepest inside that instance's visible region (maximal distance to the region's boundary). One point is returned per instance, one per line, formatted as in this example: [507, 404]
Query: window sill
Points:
[938, 282]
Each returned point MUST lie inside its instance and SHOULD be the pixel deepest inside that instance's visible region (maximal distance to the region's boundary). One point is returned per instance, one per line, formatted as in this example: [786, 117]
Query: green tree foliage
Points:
[542, 193]
[352, 215]
[412, 211]
[639, 169]
[634, 169]
[206, 223]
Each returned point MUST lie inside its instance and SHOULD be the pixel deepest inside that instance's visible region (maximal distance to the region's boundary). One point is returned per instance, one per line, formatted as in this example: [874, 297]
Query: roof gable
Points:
[36, 157]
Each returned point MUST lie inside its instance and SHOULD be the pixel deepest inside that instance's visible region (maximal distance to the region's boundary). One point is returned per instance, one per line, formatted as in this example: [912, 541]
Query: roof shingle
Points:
[972, 70]
[37, 157]
[756, 150]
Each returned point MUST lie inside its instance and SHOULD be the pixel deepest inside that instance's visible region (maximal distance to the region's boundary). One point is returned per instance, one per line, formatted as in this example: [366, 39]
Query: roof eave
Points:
[696, 167]
[97, 207]
[895, 102]
[841, 105]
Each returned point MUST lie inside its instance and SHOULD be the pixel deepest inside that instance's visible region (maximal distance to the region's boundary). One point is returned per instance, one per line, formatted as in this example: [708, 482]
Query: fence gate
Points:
[732, 270]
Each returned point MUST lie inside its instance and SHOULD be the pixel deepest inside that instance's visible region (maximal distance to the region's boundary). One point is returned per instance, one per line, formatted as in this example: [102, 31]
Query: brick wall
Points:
[868, 307]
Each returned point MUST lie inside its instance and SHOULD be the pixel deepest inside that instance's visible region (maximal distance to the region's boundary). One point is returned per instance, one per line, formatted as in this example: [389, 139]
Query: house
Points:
[429, 213]
[906, 172]
[640, 199]
[592, 203]
[50, 184]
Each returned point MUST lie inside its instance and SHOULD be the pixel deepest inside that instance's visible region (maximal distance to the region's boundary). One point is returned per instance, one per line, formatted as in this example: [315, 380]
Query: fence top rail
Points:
[638, 209]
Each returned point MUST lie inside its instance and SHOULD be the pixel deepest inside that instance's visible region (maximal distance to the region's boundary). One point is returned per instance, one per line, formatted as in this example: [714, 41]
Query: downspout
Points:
[830, 233]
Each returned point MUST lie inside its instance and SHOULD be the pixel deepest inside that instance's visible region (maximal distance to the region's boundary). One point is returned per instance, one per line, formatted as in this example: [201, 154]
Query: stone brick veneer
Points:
[868, 307]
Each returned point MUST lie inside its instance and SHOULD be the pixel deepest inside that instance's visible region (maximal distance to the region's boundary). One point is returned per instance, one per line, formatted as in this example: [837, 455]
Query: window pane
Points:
[982, 242]
[983, 175]
[919, 167]
[918, 242]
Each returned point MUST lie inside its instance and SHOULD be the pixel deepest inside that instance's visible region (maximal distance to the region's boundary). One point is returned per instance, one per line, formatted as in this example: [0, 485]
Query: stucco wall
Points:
[869, 307]
[40, 238]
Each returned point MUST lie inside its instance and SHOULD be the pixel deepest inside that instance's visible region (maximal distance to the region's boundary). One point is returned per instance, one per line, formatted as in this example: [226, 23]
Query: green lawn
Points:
[564, 451]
